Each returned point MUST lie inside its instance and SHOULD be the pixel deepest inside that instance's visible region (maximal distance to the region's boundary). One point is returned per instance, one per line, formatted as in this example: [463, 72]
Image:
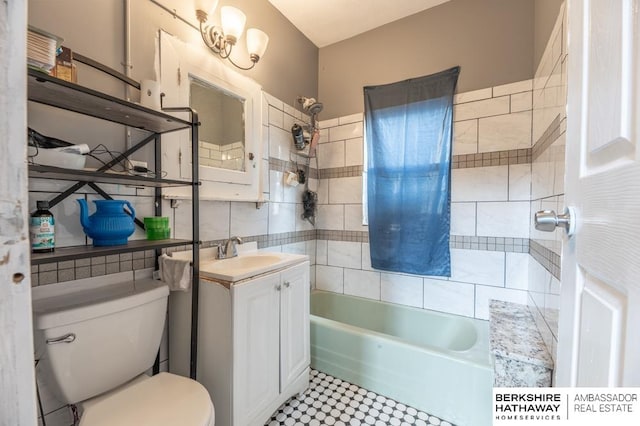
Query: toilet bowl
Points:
[95, 343]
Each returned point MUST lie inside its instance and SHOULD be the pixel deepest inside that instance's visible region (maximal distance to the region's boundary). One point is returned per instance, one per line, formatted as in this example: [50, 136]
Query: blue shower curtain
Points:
[408, 129]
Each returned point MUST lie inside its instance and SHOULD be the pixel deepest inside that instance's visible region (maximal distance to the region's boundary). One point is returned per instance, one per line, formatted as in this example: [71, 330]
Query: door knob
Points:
[548, 220]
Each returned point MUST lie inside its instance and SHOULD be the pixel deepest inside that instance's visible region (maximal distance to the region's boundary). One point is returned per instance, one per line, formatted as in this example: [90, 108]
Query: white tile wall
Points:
[480, 184]
[330, 216]
[353, 118]
[353, 218]
[522, 101]
[345, 254]
[517, 270]
[214, 224]
[345, 190]
[465, 137]
[353, 152]
[520, 182]
[331, 155]
[463, 218]
[279, 143]
[276, 117]
[503, 219]
[474, 95]
[504, 132]
[401, 289]
[282, 217]
[276, 186]
[330, 278]
[346, 131]
[477, 266]
[517, 87]
[246, 219]
[362, 283]
[449, 296]
[492, 119]
[547, 178]
[321, 252]
[479, 109]
[366, 256]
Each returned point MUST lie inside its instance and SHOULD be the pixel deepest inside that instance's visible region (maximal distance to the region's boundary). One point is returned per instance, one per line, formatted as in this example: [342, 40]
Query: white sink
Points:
[247, 265]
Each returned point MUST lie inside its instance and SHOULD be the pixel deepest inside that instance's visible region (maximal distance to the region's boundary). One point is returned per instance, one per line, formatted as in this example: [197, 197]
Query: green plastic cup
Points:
[157, 227]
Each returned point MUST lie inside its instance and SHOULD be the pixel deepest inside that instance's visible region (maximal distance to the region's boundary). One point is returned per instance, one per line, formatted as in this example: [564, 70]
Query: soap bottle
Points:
[41, 229]
[298, 137]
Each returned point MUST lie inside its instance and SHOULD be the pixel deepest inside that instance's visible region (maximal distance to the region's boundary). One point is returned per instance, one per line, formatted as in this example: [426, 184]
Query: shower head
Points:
[315, 108]
[310, 105]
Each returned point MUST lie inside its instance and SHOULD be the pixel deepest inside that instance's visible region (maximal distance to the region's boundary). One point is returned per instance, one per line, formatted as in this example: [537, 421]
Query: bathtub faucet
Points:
[228, 249]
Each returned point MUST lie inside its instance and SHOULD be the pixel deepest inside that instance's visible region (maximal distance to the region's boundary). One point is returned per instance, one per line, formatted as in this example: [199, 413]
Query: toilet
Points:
[94, 343]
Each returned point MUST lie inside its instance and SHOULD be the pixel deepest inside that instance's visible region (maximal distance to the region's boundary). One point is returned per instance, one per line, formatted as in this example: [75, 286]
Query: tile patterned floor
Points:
[331, 401]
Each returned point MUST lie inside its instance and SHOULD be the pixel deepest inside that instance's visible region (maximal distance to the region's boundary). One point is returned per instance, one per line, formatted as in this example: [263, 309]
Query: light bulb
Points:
[257, 42]
[233, 21]
[206, 6]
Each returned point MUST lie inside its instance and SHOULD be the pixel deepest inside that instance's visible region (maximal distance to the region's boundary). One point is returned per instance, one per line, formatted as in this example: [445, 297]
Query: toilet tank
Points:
[92, 338]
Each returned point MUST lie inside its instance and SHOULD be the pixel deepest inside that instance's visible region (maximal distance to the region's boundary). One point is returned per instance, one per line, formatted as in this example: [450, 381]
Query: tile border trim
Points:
[464, 161]
[550, 260]
[494, 158]
[465, 242]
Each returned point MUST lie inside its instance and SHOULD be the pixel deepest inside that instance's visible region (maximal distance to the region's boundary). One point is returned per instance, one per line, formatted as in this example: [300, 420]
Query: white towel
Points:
[175, 272]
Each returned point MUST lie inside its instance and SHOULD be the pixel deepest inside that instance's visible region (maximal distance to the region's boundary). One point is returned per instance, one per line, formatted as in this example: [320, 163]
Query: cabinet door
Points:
[255, 346]
[294, 324]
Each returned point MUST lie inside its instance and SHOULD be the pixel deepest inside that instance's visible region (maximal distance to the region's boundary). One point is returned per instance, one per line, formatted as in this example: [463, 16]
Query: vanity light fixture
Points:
[221, 39]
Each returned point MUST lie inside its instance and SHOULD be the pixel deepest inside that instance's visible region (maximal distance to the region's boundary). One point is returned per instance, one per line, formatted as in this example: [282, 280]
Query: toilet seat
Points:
[162, 400]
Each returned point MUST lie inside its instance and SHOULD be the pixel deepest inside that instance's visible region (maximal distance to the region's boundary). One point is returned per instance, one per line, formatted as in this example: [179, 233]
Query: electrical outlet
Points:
[137, 167]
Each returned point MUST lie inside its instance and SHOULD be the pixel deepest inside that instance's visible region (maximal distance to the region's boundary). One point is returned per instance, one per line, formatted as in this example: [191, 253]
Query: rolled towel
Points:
[175, 272]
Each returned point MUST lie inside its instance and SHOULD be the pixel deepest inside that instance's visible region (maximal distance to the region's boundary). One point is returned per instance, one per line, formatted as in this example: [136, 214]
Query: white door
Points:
[294, 324]
[598, 342]
[256, 346]
[17, 376]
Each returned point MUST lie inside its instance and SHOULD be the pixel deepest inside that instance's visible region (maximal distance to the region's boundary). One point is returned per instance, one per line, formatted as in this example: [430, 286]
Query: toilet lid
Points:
[162, 400]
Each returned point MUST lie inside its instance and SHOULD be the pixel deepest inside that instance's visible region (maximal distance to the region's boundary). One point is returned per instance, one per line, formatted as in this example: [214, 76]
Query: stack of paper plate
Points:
[41, 49]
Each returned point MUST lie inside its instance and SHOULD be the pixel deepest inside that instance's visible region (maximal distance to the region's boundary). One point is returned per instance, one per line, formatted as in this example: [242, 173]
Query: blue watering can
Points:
[110, 225]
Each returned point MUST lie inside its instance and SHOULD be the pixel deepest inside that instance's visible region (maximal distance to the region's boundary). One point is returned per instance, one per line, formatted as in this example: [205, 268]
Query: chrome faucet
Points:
[228, 248]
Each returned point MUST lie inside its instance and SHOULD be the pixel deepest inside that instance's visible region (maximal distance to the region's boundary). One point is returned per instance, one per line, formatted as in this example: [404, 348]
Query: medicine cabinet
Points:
[229, 107]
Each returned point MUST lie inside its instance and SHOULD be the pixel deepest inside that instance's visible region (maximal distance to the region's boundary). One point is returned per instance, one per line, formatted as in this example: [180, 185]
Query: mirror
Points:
[222, 138]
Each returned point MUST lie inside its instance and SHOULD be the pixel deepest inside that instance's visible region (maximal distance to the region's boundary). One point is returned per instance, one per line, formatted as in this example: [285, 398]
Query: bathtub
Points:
[435, 362]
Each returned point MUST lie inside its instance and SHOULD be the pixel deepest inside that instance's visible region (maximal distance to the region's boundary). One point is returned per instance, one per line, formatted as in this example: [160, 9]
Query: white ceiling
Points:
[326, 22]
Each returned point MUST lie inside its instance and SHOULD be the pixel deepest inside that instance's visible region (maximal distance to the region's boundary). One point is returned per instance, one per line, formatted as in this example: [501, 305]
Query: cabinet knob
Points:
[278, 287]
[287, 284]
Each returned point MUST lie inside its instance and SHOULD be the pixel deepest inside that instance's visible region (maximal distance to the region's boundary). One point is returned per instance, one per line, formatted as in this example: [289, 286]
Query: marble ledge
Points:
[514, 335]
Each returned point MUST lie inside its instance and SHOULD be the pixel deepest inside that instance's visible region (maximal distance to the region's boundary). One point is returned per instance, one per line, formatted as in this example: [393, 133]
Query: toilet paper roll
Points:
[150, 94]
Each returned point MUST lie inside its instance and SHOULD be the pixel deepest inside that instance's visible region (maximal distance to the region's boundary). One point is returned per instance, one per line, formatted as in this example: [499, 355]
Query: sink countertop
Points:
[249, 263]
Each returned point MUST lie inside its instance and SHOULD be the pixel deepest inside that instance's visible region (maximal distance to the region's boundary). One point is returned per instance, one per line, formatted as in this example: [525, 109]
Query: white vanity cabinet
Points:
[270, 342]
[253, 342]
